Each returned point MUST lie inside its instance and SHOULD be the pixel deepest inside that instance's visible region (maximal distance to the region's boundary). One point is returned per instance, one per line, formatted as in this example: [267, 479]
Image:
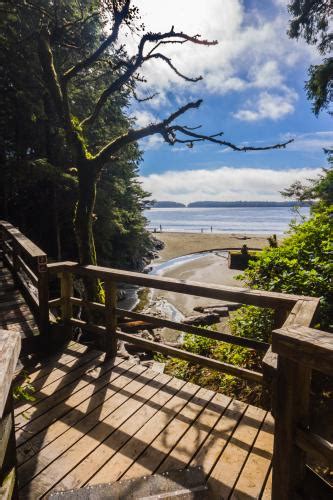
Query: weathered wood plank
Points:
[25, 244]
[225, 473]
[34, 455]
[59, 402]
[267, 492]
[187, 446]
[252, 478]
[310, 347]
[8, 485]
[292, 410]
[10, 346]
[111, 341]
[130, 452]
[178, 353]
[130, 417]
[212, 291]
[150, 459]
[6, 427]
[57, 471]
[54, 377]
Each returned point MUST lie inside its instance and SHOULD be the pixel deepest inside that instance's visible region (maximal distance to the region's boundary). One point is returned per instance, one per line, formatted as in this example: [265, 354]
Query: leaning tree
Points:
[110, 61]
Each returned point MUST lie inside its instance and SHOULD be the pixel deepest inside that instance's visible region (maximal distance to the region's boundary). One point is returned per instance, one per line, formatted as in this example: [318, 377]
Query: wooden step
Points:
[186, 484]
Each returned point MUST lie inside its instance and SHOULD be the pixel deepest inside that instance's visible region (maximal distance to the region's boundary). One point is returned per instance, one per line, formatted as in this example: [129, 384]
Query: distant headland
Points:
[218, 204]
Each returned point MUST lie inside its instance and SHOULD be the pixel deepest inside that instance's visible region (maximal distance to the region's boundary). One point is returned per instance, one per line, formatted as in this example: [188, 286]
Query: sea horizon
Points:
[251, 220]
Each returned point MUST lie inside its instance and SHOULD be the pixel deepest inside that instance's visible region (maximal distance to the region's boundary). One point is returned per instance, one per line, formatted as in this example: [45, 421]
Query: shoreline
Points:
[211, 267]
[178, 244]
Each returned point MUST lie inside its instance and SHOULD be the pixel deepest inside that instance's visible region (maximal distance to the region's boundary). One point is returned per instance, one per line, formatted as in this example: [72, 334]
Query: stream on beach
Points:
[203, 267]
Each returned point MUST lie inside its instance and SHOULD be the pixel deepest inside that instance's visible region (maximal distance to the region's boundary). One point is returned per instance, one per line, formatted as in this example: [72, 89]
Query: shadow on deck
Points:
[97, 421]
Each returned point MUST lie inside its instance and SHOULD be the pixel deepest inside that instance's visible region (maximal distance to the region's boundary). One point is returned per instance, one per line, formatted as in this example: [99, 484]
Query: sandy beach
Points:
[211, 267]
[177, 244]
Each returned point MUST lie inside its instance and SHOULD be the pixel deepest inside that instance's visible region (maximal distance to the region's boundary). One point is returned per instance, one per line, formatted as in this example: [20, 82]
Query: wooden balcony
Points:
[100, 419]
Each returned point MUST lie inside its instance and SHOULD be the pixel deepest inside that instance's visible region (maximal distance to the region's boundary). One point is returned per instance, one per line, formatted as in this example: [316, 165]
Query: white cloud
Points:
[268, 105]
[144, 118]
[253, 51]
[310, 142]
[152, 142]
[224, 184]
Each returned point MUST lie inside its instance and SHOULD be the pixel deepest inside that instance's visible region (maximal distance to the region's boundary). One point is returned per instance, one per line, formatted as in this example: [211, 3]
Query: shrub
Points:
[302, 264]
[252, 322]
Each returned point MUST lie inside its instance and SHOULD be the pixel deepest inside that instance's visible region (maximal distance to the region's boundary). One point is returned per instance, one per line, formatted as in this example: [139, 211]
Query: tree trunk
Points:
[83, 223]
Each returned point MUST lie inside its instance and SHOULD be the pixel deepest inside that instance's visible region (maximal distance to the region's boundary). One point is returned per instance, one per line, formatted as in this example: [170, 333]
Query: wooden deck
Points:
[15, 314]
[95, 421]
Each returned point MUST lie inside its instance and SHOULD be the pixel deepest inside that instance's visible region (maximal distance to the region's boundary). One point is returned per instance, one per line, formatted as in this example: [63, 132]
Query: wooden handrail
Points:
[306, 346]
[28, 263]
[10, 345]
[236, 294]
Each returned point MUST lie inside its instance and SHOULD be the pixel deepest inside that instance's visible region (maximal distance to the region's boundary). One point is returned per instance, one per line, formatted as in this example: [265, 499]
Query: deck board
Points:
[15, 315]
[96, 420]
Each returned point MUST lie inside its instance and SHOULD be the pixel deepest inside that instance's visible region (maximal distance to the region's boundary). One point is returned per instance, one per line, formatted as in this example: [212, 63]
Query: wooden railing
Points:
[300, 350]
[296, 349]
[10, 345]
[28, 264]
[107, 329]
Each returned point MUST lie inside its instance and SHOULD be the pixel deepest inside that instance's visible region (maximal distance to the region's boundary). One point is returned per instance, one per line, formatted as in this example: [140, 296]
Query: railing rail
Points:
[281, 303]
[28, 264]
[10, 345]
[296, 350]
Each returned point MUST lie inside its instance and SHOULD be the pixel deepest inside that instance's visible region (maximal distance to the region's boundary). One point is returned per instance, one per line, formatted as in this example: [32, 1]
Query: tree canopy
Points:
[312, 20]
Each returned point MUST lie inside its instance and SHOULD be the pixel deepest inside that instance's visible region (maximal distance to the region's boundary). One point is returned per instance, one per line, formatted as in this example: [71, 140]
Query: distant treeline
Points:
[214, 204]
[217, 204]
[167, 204]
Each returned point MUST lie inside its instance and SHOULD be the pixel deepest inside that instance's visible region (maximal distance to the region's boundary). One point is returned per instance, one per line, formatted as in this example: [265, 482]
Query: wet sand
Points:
[177, 244]
[211, 268]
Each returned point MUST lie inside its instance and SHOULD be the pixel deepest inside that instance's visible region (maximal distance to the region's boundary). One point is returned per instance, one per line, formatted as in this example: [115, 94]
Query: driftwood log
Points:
[202, 319]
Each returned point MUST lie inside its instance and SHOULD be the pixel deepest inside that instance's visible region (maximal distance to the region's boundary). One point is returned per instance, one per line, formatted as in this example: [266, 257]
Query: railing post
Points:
[66, 293]
[43, 295]
[16, 263]
[110, 341]
[292, 406]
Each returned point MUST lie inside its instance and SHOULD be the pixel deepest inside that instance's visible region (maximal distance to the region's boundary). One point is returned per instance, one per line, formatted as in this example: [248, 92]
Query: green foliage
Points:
[320, 85]
[24, 391]
[38, 168]
[225, 352]
[302, 264]
[319, 190]
[252, 322]
[199, 345]
[311, 21]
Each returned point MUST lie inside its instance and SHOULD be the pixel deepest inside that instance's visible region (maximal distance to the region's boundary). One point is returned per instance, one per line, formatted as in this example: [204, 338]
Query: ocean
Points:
[255, 220]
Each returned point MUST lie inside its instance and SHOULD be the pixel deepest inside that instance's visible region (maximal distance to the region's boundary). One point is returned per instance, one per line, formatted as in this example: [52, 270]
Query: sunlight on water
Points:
[256, 220]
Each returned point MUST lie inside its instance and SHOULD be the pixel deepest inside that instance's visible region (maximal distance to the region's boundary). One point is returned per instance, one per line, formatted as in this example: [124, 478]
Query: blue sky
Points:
[253, 90]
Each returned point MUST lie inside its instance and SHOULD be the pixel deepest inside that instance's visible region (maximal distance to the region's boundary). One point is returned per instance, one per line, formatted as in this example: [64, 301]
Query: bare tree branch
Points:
[143, 99]
[168, 132]
[168, 61]
[170, 37]
[119, 16]
[173, 139]
[134, 135]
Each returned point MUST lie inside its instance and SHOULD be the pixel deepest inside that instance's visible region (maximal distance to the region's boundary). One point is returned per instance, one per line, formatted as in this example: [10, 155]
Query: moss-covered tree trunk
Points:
[84, 215]
[83, 224]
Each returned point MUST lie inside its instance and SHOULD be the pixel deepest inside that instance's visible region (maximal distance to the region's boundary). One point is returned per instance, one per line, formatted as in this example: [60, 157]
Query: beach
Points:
[210, 266]
[181, 243]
